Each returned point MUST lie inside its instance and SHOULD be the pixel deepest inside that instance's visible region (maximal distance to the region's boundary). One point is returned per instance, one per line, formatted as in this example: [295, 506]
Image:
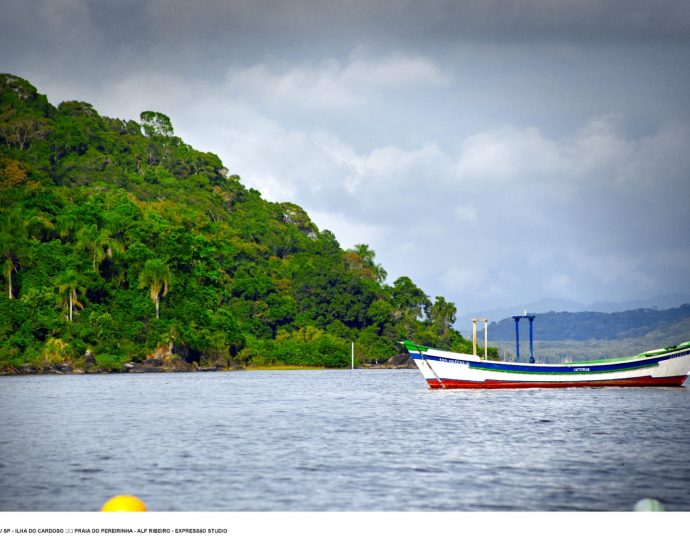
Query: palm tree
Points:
[366, 253]
[442, 315]
[86, 240]
[367, 256]
[100, 244]
[13, 241]
[9, 265]
[155, 275]
[380, 273]
[67, 222]
[68, 284]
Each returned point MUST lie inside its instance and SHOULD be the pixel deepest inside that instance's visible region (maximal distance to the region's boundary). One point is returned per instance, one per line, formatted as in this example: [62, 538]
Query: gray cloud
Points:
[185, 34]
[496, 152]
[362, 21]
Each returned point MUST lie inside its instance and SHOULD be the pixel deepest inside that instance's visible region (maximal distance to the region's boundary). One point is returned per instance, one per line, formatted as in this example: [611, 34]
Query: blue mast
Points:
[517, 318]
[517, 337]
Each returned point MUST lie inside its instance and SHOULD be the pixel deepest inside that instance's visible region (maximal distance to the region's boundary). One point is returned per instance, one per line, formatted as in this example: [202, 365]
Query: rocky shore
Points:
[400, 361]
[150, 365]
[89, 365]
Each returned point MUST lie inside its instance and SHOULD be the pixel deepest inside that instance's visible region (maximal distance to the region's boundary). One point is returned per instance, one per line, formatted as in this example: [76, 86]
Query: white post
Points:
[474, 337]
[353, 356]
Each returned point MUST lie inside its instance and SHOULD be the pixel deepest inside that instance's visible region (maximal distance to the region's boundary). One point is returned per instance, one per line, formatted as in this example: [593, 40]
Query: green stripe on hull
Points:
[684, 345]
[552, 372]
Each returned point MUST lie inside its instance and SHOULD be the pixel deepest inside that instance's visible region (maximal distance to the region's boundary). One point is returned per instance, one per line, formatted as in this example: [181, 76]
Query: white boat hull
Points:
[449, 370]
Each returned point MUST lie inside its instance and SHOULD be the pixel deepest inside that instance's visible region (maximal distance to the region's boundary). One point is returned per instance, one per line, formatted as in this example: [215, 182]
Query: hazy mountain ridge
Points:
[545, 305]
[584, 350]
[579, 336]
[587, 325]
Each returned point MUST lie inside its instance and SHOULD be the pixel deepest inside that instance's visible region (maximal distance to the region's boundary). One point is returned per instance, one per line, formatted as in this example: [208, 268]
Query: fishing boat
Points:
[450, 370]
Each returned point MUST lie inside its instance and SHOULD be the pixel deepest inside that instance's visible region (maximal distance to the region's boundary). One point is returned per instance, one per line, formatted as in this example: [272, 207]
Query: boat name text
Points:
[456, 361]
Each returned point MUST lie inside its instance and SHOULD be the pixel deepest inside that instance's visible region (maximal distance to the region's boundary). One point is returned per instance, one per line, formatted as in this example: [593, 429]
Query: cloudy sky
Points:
[496, 151]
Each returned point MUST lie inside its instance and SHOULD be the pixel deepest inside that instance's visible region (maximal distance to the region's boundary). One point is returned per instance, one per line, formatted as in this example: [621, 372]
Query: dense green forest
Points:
[119, 240]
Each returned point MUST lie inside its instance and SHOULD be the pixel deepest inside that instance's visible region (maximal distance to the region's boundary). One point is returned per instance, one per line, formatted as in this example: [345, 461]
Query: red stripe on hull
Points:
[503, 384]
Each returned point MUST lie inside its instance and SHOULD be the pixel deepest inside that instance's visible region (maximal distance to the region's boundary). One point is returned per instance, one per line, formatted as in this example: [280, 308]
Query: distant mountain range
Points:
[586, 335]
[544, 305]
[588, 325]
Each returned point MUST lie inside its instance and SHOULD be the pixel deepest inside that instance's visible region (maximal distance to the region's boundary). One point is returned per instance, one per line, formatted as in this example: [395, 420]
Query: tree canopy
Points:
[100, 217]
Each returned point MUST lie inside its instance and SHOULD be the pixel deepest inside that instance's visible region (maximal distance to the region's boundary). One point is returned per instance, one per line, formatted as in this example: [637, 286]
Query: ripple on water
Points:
[337, 440]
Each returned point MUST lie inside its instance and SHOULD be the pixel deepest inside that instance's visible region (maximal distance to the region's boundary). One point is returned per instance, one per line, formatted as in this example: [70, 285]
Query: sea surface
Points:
[330, 440]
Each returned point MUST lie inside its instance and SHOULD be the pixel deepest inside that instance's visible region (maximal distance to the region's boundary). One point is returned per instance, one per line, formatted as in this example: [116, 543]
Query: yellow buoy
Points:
[124, 503]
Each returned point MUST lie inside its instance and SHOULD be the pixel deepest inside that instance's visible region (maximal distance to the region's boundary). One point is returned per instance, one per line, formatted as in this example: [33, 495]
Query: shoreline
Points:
[68, 370]
[88, 364]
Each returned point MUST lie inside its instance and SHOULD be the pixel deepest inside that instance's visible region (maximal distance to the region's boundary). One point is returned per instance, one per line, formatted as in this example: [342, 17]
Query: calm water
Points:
[336, 440]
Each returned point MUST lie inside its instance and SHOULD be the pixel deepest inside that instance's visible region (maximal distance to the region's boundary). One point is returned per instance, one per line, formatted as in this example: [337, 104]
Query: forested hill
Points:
[119, 239]
[621, 325]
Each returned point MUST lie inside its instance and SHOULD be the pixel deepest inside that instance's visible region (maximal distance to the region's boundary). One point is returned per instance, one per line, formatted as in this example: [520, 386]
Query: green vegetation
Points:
[117, 237]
